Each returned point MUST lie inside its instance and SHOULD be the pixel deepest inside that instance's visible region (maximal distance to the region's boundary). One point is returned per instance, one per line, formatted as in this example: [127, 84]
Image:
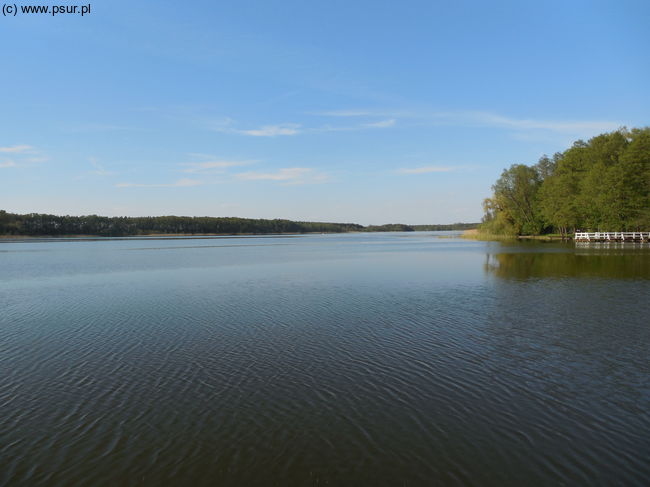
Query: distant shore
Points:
[171, 236]
[152, 235]
[67, 226]
[471, 234]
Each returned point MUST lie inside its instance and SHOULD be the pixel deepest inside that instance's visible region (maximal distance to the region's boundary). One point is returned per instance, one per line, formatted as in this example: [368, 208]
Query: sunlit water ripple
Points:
[384, 359]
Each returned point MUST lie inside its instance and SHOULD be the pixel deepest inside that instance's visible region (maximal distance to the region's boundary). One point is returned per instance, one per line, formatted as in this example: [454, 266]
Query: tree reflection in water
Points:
[607, 260]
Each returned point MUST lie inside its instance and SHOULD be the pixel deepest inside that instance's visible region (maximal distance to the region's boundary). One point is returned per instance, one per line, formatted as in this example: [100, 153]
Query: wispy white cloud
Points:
[200, 155]
[100, 127]
[381, 124]
[99, 169]
[469, 118]
[224, 124]
[22, 155]
[16, 149]
[353, 128]
[287, 175]
[383, 119]
[285, 129]
[210, 164]
[560, 126]
[280, 175]
[425, 169]
[273, 130]
[367, 113]
[213, 166]
[36, 159]
[227, 125]
[181, 183]
[347, 113]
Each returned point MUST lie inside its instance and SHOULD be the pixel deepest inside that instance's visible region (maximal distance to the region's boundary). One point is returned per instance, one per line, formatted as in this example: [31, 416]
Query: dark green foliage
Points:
[602, 184]
[390, 227]
[40, 224]
[36, 224]
[444, 228]
[400, 227]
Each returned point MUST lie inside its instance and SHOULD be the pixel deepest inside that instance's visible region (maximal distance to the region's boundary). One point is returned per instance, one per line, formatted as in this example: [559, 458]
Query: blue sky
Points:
[368, 112]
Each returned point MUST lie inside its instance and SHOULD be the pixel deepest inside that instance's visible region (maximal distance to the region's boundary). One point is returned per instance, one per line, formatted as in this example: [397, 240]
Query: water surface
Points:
[357, 359]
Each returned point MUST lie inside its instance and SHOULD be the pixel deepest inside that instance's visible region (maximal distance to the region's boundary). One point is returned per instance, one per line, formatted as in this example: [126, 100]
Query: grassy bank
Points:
[475, 234]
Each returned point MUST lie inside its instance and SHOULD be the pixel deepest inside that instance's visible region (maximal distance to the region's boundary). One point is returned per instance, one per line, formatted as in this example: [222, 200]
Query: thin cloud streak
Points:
[213, 166]
[347, 113]
[16, 149]
[100, 127]
[22, 156]
[287, 175]
[287, 129]
[470, 118]
[566, 126]
[225, 126]
[365, 113]
[424, 170]
[462, 118]
[273, 130]
[181, 183]
[381, 124]
[353, 128]
[99, 169]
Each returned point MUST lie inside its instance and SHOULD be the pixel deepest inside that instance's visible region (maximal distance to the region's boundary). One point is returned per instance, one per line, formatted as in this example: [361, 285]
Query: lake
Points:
[356, 359]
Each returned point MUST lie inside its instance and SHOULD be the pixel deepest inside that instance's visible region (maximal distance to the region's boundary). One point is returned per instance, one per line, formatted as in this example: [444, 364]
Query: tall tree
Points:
[515, 194]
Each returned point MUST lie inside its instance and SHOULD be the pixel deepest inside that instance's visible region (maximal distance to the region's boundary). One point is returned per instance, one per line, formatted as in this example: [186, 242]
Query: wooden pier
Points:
[612, 237]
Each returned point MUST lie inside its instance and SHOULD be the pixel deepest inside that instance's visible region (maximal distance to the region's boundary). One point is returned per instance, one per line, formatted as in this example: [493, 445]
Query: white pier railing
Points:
[612, 236]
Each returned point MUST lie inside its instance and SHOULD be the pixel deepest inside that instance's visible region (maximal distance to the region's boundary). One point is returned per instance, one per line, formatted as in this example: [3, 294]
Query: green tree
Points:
[602, 184]
[515, 197]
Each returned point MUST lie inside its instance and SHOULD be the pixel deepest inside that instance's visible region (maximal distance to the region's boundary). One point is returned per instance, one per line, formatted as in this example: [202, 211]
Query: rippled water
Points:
[387, 359]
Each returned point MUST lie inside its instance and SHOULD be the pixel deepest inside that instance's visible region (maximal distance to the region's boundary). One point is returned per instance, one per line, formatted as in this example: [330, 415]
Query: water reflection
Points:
[615, 261]
[565, 330]
[334, 360]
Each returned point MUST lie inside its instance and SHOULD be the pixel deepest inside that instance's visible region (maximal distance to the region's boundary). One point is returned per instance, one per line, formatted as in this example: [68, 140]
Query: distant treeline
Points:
[36, 224]
[599, 185]
[399, 227]
[440, 228]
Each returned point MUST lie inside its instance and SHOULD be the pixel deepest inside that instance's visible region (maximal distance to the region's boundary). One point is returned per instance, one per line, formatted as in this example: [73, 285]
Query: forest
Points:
[599, 185]
[37, 224]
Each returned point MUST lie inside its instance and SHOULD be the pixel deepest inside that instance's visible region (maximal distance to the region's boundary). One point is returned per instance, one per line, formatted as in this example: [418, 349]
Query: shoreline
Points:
[5, 238]
[153, 236]
[474, 234]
